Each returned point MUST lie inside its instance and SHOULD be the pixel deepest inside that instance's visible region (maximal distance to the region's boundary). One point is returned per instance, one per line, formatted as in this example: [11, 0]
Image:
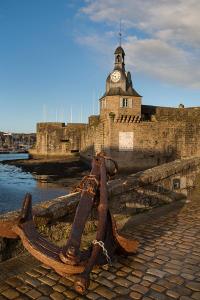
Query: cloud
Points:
[157, 58]
[97, 42]
[179, 18]
[162, 39]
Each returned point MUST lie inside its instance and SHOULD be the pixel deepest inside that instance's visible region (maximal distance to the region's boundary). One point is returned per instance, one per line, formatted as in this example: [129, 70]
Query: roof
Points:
[119, 91]
[119, 50]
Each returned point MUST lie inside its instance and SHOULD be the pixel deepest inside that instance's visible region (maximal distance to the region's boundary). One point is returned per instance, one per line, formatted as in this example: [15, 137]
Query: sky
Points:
[55, 56]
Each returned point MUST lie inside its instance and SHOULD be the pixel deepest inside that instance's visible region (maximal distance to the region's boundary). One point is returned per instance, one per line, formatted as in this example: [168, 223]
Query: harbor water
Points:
[15, 183]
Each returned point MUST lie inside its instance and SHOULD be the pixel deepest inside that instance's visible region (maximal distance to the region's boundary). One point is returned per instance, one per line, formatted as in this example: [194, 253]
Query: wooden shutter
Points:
[129, 102]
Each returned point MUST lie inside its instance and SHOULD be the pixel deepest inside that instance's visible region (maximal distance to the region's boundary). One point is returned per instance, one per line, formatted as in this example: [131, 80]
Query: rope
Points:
[89, 189]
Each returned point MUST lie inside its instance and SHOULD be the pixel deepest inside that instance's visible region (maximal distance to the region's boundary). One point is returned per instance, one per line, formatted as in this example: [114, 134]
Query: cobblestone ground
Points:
[167, 265]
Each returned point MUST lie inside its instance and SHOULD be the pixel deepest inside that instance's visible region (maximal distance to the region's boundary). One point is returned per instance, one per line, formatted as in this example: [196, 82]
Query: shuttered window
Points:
[130, 103]
[126, 102]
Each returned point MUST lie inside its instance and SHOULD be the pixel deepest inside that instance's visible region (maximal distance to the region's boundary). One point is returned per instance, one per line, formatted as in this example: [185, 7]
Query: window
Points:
[118, 59]
[126, 102]
[176, 184]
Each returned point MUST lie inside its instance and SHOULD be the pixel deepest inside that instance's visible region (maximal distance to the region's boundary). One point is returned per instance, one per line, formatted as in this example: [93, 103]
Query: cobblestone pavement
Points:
[167, 265]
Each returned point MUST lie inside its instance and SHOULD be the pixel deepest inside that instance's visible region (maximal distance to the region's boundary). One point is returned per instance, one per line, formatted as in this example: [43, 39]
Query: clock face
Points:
[115, 76]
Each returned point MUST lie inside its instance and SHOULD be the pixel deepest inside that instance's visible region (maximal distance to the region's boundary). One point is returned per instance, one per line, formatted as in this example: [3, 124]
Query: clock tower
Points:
[120, 96]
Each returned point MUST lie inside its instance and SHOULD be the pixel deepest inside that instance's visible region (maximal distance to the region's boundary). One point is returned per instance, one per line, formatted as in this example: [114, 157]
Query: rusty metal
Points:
[70, 259]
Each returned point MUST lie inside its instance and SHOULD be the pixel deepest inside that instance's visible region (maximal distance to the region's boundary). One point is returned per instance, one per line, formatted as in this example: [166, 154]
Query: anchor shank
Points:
[71, 250]
[82, 281]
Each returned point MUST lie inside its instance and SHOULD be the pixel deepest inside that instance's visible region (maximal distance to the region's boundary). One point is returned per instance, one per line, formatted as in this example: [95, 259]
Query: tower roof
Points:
[119, 50]
[118, 91]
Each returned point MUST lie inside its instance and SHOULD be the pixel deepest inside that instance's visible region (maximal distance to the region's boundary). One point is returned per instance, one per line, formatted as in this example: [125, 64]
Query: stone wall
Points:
[153, 187]
[57, 139]
[191, 114]
[94, 138]
[154, 143]
[156, 113]
[160, 135]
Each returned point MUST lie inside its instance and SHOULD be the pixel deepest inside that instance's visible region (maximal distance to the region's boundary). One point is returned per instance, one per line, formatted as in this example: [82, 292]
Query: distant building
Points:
[137, 136]
[16, 141]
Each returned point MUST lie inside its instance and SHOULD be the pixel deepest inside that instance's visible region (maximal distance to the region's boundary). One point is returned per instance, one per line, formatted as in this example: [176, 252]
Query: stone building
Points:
[16, 141]
[137, 136]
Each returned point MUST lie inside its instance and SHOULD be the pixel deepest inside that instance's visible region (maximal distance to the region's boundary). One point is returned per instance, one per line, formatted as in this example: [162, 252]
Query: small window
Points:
[124, 102]
[118, 59]
[176, 184]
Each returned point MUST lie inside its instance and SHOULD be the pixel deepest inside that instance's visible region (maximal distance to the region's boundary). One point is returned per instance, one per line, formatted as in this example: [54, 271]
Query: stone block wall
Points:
[92, 140]
[48, 138]
[153, 187]
[178, 114]
[93, 120]
[72, 137]
[170, 134]
[154, 143]
[191, 114]
[57, 139]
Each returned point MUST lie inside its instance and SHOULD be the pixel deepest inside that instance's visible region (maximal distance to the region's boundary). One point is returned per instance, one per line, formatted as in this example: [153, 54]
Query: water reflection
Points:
[14, 184]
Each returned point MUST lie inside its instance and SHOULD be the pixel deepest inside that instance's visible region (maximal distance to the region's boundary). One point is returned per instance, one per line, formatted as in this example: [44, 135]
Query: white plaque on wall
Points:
[125, 141]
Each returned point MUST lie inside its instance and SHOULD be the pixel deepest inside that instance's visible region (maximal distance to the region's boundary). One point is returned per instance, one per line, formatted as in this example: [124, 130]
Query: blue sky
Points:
[55, 56]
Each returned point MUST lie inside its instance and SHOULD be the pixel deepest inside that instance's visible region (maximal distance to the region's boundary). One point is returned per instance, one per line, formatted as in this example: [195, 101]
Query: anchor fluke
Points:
[81, 284]
[26, 211]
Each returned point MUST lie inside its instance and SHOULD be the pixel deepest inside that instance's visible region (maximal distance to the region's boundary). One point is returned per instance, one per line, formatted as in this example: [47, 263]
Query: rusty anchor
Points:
[70, 259]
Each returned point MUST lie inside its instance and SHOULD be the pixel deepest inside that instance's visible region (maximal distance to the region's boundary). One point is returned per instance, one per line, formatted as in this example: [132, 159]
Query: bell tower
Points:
[117, 78]
[120, 98]
[119, 58]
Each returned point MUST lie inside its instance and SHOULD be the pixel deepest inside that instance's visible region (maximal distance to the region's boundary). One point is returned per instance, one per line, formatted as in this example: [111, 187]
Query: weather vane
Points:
[120, 33]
